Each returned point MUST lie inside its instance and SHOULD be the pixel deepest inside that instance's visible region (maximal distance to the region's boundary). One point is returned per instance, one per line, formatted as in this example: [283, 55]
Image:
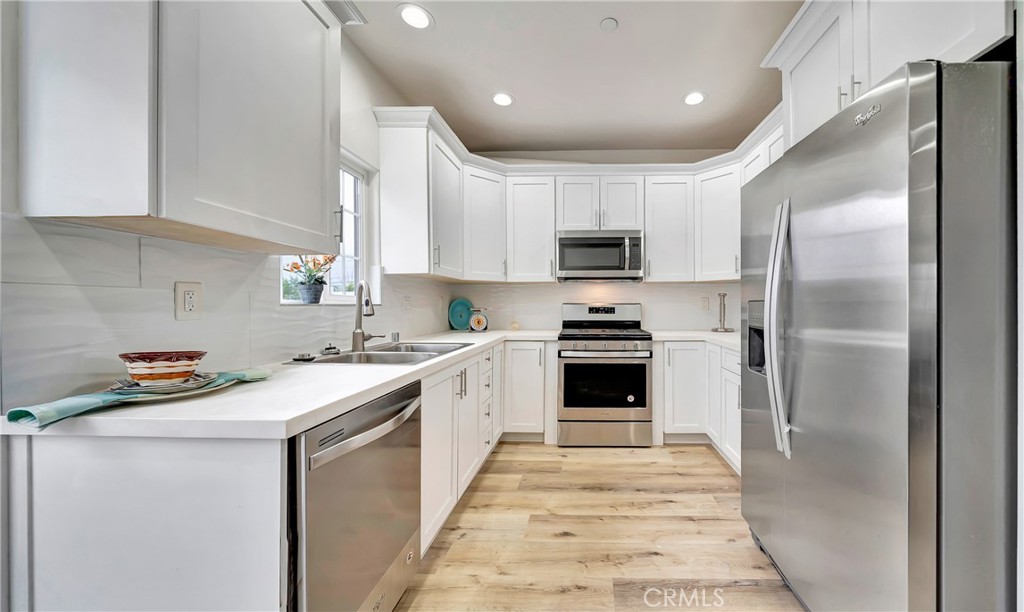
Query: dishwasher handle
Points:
[343, 448]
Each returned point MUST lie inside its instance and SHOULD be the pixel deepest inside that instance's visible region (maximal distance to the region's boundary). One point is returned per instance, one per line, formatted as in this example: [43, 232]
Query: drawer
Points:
[731, 361]
[486, 384]
[486, 414]
[486, 443]
[487, 361]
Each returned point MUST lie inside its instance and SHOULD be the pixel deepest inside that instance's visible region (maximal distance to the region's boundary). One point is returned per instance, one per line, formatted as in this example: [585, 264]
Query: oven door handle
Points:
[607, 354]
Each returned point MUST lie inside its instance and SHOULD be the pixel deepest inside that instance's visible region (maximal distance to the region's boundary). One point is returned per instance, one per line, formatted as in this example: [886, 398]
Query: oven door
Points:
[604, 388]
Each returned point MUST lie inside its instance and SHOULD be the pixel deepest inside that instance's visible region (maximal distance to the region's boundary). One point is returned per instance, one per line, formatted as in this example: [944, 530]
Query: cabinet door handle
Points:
[841, 97]
[341, 225]
[648, 273]
[854, 87]
[737, 264]
[669, 351]
[465, 386]
[504, 267]
[540, 357]
[552, 267]
[437, 255]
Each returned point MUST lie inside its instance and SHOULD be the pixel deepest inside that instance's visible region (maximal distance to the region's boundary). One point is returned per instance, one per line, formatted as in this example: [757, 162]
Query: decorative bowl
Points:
[157, 368]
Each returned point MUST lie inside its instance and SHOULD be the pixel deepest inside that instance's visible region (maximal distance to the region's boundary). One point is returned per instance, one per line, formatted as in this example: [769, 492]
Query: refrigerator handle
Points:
[773, 366]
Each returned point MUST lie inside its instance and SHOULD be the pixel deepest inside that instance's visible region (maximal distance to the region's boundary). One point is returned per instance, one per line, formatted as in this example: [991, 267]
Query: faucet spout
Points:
[364, 308]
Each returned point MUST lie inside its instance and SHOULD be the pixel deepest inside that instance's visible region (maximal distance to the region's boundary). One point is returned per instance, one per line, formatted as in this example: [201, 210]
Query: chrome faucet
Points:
[364, 308]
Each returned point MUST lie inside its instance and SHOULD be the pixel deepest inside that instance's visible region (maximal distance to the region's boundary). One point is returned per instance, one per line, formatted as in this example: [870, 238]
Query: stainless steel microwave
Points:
[606, 254]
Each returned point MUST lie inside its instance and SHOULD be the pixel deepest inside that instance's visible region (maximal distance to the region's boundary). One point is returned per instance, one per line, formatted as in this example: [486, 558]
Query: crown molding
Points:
[427, 117]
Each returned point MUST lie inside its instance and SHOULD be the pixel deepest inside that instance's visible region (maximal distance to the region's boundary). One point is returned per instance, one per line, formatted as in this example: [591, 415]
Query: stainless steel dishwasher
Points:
[357, 515]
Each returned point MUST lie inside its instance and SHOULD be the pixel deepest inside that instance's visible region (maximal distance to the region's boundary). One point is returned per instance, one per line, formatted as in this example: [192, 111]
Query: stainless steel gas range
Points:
[604, 376]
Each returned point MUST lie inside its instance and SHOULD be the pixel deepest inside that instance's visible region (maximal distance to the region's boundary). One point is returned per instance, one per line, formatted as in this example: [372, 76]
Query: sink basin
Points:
[438, 348]
[378, 358]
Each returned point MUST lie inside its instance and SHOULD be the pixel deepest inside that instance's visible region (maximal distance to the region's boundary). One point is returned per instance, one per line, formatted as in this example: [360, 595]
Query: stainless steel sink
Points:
[378, 357]
[439, 348]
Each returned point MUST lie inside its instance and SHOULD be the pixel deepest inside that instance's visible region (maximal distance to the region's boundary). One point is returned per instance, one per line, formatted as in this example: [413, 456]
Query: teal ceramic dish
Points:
[459, 313]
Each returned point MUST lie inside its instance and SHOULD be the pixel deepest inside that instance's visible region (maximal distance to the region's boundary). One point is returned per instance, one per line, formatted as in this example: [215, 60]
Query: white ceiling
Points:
[577, 87]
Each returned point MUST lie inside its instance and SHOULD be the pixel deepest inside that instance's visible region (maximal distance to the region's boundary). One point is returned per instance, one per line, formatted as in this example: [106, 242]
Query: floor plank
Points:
[548, 528]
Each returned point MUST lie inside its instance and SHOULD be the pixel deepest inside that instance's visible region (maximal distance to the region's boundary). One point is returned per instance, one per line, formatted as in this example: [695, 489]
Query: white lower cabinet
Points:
[524, 387]
[469, 416]
[497, 393]
[438, 491]
[686, 389]
[731, 422]
[713, 367]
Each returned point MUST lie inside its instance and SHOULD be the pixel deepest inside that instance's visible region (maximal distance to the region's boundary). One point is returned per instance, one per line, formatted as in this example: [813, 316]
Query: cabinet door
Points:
[817, 80]
[484, 204]
[732, 423]
[713, 355]
[576, 202]
[686, 387]
[438, 492]
[249, 135]
[717, 234]
[469, 425]
[530, 205]
[445, 185]
[524, 387]
[622, 202]
[901, 32]
[668, 231]
[497, 395]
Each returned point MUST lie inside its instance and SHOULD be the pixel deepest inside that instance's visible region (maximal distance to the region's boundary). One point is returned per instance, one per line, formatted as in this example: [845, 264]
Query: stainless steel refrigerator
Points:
[879, 335]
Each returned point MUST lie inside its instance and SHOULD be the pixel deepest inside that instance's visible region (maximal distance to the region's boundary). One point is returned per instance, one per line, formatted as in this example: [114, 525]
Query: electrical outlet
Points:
[705, 303]
[188, 301]
[407, 303]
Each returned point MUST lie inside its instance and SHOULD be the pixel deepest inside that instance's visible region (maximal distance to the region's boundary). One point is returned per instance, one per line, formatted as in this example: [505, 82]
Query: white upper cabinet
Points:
[421, 200]
[530, 210]
[834, 51]
[484, 207]
[577, 202]
[717, 224]
[754, 162]
[171, 119]
[445, 188]
[775, 145]
[622, 203]
[898, 32]
[668, 231]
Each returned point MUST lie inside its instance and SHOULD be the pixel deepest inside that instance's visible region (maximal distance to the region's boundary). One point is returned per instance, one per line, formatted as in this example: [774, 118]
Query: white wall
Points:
[73, 298]
[667, 306]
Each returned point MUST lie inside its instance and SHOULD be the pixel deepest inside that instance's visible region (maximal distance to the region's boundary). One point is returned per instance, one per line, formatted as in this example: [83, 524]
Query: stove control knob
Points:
[586, 345]
[604, 345]
[574, 345]
[636, 346]
[623, 346]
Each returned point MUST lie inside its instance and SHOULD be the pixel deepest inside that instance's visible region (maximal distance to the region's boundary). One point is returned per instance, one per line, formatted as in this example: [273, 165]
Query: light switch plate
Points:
[188, 301]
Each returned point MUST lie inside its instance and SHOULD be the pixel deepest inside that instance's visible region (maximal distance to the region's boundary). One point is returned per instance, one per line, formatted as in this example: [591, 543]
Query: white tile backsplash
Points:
[75, 297]
[666, 306]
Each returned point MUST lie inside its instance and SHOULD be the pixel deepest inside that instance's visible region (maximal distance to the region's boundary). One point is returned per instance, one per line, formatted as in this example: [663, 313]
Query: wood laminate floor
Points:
[548, 528]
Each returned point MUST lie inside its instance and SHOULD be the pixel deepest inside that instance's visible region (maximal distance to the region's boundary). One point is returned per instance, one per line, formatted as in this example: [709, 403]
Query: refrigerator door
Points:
[861, 256]
[763, 466]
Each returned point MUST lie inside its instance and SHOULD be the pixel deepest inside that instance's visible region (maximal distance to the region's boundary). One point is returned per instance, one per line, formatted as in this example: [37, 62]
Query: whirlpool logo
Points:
[866, 116]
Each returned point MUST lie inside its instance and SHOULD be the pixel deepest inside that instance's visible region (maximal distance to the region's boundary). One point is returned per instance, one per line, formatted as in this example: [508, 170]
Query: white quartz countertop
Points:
[298, 397]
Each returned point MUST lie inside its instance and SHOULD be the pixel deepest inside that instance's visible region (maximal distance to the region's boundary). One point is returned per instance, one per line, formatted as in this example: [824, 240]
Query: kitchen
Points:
[147, 206]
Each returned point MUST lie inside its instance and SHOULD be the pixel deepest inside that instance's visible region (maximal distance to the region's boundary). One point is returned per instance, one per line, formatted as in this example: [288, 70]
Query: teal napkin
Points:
[44, 414]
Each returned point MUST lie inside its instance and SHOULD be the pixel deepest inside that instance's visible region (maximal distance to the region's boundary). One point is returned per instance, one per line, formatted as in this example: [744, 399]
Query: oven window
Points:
[592, 255]
[604, 385]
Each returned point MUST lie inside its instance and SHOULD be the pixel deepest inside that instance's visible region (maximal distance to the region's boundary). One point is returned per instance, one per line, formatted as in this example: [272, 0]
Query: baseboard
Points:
[510, 436]
[676, 438]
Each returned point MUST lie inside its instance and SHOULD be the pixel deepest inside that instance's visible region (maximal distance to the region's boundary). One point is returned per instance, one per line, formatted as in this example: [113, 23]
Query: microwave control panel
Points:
[635, 256]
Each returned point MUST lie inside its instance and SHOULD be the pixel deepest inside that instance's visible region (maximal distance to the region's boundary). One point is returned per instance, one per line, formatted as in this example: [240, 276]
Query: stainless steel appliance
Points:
[357, 511]
[878, 326]
[604, 376]
[600, 255]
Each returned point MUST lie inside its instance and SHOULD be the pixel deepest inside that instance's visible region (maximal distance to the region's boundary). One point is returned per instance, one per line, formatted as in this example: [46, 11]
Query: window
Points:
[347, 269]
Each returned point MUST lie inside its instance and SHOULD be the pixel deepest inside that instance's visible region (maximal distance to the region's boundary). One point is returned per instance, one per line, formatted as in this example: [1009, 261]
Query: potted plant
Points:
[311, 270]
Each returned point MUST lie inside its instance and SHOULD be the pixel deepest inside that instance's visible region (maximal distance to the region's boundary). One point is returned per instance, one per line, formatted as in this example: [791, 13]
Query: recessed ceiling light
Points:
[503, 99]
[694, 98]
[609, 24]
[415, 15]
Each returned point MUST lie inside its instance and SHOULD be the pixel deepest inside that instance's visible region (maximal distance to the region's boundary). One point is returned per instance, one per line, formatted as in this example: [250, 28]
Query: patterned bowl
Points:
[163, 367]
